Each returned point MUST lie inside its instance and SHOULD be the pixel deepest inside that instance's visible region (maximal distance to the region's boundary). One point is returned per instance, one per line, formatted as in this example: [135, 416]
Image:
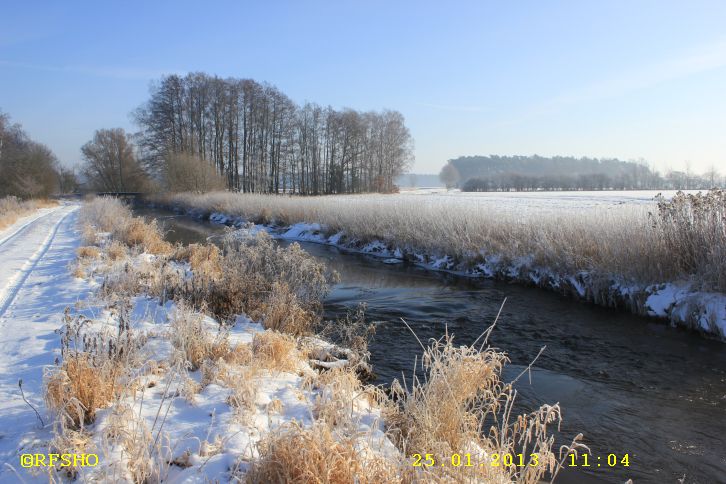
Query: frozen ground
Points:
[35, 288]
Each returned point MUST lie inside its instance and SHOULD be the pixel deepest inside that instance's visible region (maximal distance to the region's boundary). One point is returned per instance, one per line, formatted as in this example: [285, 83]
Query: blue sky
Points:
[628, 79]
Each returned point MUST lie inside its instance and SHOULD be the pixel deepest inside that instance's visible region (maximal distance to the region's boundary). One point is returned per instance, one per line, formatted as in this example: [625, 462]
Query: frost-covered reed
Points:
[635, 241]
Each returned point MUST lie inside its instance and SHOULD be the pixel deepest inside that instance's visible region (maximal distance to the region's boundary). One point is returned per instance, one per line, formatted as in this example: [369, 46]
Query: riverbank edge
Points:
[673, 302]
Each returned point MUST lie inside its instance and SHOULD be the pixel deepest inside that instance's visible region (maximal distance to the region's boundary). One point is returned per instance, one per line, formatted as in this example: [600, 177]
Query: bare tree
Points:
[110, 163]
[27, 169]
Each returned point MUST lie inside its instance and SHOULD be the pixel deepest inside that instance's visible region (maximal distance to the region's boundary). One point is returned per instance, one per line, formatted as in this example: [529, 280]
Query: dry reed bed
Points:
[684, 238]
[12, 208]
[193, 397]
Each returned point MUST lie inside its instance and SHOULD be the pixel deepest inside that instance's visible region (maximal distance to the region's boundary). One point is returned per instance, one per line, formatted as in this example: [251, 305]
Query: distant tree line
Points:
[256, 139]
[29, 169]
[529, 173]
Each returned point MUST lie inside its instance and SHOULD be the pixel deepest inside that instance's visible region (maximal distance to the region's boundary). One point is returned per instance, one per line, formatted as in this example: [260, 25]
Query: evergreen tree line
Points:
[258, 140]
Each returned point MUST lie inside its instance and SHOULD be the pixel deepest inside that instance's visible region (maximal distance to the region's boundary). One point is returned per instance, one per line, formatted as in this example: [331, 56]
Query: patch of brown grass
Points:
[69, 441]
[80, 387]
[147, 235]
[89, 234]
[295, 454]
[255, 273]
[116, 251]
[192, 339]
[276, 351]
[243, 389]
[12, 208]
[284, 313]
[340, 392]
[107, 214]
[78, 271]
[143, 453]
[462, 405]
[88, 252]
[240, 354]
[204, 259]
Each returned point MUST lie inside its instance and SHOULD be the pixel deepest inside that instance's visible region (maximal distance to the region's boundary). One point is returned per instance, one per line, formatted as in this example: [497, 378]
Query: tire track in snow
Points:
[7, 295]
[24, 227]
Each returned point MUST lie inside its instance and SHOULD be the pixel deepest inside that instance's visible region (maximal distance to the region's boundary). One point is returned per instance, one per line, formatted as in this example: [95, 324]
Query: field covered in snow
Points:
[576, 200]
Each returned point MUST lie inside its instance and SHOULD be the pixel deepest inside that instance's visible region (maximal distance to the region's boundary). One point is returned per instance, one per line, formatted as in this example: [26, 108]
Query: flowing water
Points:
[631, 385]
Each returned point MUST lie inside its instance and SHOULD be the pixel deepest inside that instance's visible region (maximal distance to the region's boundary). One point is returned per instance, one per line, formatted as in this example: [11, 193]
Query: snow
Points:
[36, 287]
[578, 200]
[203, 433]
[199, 432]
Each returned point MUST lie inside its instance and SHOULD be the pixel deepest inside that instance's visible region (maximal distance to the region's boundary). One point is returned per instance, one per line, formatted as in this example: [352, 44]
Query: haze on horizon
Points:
[632, 80]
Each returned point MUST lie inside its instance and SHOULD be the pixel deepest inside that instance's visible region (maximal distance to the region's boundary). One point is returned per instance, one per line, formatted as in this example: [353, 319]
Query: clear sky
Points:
[629, 79]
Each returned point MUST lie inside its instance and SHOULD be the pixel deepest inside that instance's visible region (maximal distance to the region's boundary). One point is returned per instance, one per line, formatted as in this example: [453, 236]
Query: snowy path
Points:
[35, 288]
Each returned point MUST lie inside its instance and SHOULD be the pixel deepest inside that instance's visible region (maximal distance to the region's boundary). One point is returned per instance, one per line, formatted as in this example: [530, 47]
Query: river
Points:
[631, 385]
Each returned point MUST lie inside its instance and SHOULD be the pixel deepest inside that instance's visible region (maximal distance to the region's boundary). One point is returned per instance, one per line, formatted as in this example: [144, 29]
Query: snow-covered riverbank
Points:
[174, 422]
[677, 302]
[162, 391]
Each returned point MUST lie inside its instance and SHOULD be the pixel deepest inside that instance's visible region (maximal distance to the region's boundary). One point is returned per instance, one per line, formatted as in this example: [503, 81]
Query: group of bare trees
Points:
[259, 140]
[28, 169]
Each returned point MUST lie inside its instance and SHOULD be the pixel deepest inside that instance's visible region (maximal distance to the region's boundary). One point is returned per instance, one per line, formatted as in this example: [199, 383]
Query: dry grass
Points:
[88, 252]
[243, 390]
[147, 235]
[204, 259]
[295, 454]
[252, 275]
[12, 208]
[282, 286]
[611, 240]
[69, 441]
[109, 215]
[192, 339]
[276, 351]
[461, 407]
[269, 350]
[80, 387]
[116, 251]
[283, 312]
[694, 231]
[92, 367]
[145, 455]
[336, 402]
